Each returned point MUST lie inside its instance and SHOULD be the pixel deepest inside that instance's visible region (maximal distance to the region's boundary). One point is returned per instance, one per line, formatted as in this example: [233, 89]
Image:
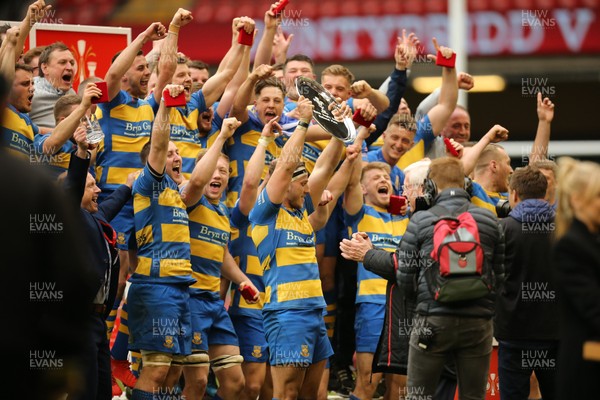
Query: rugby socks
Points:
[120, 349]
[111, 319]
[330, 300]
[136, 362]
[353, 397]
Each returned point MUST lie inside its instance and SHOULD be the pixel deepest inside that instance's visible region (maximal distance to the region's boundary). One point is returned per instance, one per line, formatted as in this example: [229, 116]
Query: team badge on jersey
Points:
[168, 342]
[197, 338]
[121, 238]
[304, 352]
[257, 352]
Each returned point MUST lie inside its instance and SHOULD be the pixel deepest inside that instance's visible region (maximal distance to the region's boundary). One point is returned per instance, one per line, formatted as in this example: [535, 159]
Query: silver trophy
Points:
[321, 99]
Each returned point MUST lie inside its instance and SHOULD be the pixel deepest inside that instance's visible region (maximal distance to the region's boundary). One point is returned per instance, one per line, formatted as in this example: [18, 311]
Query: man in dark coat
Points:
[526, 322]
[101, 238]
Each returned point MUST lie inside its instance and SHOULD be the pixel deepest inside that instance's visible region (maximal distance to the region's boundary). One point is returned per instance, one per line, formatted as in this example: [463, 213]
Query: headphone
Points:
[430, 189]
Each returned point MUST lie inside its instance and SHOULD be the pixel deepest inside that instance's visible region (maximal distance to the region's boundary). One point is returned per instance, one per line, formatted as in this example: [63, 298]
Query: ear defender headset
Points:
[430, 191]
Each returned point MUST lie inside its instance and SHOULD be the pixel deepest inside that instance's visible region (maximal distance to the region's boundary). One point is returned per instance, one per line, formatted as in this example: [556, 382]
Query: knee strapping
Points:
[197, 359]
[154, 359]
[225, 361]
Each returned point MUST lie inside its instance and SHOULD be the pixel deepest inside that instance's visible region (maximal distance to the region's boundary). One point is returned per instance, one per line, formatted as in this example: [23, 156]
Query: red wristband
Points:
[445, 62]
[245, 38]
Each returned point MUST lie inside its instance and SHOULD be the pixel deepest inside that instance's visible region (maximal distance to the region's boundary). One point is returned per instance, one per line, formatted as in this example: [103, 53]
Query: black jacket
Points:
[101, 257]
[527, 305]
[391, 355]
[577, 260]
[414, 257]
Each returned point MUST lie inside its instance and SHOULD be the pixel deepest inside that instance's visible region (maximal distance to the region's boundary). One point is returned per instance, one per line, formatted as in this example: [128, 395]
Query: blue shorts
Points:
[368, 324]
[211, 324]
[159, 318]
[296, 337]
[251, 335]
[124, 225]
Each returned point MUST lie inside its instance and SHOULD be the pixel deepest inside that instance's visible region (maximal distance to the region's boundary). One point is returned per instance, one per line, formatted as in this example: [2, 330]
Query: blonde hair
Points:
[339, 70]
[580, 178]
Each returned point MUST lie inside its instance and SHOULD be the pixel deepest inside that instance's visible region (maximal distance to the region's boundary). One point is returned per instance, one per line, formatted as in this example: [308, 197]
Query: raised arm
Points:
[205, 168]
[167, 61]
[404, 55]
[243, 97]
[362, 90]
[353, 196]
[545, 113]
[215, 85]
[66, 128]
[470, 156]
[264, 51]
[336, 187]
[256, 165]
[328, 160]
[161, 129]
[35, 13]
[441, 112]
[281, 44]
[119, 67]
[232, 87]
[7, 51]
[290, 155]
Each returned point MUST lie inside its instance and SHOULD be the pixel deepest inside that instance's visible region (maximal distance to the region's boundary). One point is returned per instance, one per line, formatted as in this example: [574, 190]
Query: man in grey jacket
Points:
[57, 72]
[461, 330]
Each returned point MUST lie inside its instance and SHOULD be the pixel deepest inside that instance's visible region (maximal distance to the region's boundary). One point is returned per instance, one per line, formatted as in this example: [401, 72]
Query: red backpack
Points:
[460, 271]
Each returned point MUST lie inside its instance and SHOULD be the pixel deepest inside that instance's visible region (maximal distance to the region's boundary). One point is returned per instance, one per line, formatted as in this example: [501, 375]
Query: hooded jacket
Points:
[527, 305]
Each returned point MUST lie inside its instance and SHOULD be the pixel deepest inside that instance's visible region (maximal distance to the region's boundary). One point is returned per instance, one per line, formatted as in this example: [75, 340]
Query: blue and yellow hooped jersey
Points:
[185, 133]
[285, 242]
[161, 230]
[244, 252]
[209, 236]
[488, 200]
[58, 161]
[240, 148]
[18, 132]
[385, 231]
[127, 126]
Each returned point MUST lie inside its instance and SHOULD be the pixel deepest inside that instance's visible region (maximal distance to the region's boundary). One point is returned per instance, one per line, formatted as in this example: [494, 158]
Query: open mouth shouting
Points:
[67, 79]
[270, 114]
[383, 189]
[215, 187]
